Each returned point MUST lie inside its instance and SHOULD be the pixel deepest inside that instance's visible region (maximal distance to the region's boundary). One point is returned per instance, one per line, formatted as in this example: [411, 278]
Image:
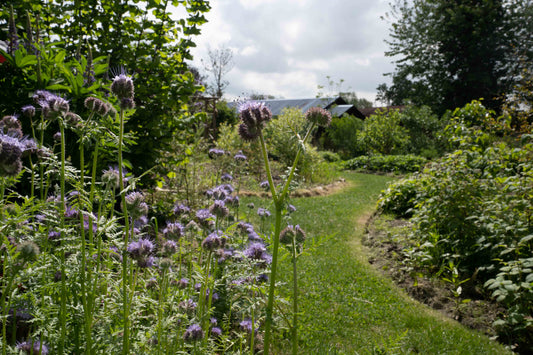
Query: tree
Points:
[451, 52]
[219, 63]
[141, 37]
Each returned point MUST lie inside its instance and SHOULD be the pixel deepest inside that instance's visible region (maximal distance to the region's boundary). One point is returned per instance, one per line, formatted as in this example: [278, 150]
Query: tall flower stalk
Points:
[122, 88]
[254, 116]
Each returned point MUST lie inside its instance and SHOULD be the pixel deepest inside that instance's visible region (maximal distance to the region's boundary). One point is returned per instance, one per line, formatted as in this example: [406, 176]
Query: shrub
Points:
[383, 134]
[424, 129]
[386, 163]
[341, 136]
[401, 196]
[284, 135]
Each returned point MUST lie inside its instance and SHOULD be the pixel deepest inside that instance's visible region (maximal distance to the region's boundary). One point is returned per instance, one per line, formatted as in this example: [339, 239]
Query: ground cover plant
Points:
[471, 213]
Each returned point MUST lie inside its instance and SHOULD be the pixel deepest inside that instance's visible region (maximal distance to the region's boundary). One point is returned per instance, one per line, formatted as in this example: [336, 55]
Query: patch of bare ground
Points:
[385, 241]
[320, 190]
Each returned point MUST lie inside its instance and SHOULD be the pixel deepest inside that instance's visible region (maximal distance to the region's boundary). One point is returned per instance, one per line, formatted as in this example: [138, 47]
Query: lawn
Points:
[348, 307]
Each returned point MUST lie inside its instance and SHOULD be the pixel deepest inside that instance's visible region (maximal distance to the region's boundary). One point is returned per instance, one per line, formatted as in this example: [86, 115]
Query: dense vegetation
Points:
[471, 211]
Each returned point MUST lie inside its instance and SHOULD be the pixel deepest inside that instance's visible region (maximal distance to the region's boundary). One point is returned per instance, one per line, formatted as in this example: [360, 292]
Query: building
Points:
[337, 106]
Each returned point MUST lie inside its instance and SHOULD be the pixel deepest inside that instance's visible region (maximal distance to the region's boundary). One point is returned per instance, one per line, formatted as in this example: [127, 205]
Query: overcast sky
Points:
[287, 48]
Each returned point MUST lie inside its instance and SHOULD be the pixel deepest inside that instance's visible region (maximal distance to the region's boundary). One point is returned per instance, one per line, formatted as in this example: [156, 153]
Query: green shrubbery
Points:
[473, 208]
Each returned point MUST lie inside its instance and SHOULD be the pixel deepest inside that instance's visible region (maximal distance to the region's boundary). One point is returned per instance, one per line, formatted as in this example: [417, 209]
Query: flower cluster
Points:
[141, 251]
[122, 88]
[253, 115]
[257, 251]
[13, 146]
[291, 233]
[52, 106]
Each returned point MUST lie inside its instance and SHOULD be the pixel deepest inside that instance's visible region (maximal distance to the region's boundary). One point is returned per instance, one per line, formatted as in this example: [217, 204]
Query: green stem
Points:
[63, 306]
[126, 333]
[294, 300]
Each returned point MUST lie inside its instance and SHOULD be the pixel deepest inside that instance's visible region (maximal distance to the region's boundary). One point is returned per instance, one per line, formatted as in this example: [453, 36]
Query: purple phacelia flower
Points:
[291, 208]
[28, 111]
[173, 231]
[253, 115]
[215, 152]
[169, 247]
[111, 177]
[257, 251]
[216, 331]
[188, 305]
[140, 249]
[265, 185]
[239, 156]
[215, 240]
[135, 204]
[33, 347]
[219, 209]
[318, 116]
[247, 325]
[226, 177]
[122, 86]
[291, 233]
[263, 213]
[193, 333]
[232, 201]
[183, 283]
[181, 209]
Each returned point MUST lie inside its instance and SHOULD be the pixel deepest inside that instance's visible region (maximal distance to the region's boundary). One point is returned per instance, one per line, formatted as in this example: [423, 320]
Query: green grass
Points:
[346, 306]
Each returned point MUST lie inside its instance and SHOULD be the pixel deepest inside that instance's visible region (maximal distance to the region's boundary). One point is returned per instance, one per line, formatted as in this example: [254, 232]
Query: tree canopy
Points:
[145, 39]
[451, 52]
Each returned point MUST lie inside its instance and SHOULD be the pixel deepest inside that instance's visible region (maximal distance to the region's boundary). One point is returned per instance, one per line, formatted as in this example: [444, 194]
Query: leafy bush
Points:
[474, 209]
[383, 134]
[330, 157]
[401, 196]
[424, 129]
[284, 135]
[341, 136]
[386, 163]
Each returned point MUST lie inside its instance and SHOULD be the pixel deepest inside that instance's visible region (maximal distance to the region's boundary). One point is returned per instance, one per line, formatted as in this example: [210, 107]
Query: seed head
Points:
[96, 105]
[319, 116]
[193, 333]
[122, 87]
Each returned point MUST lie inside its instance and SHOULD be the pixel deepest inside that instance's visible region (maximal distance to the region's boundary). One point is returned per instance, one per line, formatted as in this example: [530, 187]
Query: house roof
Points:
[372, 110]
[336, 105]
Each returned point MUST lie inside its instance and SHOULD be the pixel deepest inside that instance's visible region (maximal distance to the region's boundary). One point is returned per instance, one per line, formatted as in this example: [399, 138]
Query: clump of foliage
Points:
[425, 131]
[472, 209]
[142, 37]
[284, 135]
[341, 136]
[383, 134]
[386, 163]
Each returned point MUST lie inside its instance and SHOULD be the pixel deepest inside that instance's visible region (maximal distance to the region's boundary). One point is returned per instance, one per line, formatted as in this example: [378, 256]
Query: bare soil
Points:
[385, 244]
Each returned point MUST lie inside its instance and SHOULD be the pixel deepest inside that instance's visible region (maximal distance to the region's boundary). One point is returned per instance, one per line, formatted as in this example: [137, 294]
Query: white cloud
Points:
[287, 47]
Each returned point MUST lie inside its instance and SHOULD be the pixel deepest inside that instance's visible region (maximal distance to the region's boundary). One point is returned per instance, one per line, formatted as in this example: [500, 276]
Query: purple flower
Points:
[169, 247]
[188, 305]
[291, 233]
[226, 177]
[193, 333]
[180, 209]
[173, 231]
[215, 152]
[253, 115]
[262, 212]
[140, 249]
[183, 283]
[232, 201]
[203, 214]
[122, 86]
[135, 204]
[28, 111]
[246, 325]
[51, 104]
[257, 251]
[214, 241]
[33, 347]
[239, 156]
[111, 177]
[291, 208]
[216, 331]
[219, 209]
[264, 185]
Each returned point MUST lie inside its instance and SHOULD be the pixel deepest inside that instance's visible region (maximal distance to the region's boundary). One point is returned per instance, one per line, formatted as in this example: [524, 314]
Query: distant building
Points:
[337, 106]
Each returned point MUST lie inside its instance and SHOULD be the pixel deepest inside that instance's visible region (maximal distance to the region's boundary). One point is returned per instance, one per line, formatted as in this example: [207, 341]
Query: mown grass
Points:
[346, 306]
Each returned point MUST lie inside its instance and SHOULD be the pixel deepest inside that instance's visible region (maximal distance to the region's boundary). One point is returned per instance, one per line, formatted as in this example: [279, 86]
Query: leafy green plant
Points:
[383, 134]
[342, 136]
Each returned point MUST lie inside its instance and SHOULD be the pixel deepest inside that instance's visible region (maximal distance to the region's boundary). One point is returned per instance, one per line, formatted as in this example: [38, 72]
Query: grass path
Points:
[347, 306]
